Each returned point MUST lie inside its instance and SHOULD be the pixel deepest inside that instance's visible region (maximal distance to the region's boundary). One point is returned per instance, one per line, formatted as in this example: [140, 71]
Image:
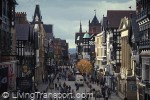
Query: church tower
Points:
[95, 25]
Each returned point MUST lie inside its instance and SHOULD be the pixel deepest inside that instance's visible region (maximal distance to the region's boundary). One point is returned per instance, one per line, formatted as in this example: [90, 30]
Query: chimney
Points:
[21, 18]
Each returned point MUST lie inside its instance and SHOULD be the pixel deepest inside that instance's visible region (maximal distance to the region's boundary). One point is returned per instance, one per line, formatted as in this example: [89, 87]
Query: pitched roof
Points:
[22, 31]
[48, 32]
[48, 28]
[114, 17]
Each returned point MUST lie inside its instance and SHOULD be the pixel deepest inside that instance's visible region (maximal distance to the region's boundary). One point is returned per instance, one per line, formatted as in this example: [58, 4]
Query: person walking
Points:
[77, 87]
[103, 91]
[58, 79]
[55, 86]
[109, 92]
[106, 92]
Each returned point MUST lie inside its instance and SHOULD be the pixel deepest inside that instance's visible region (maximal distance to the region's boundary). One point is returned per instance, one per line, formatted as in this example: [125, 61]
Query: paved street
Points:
[81, 90]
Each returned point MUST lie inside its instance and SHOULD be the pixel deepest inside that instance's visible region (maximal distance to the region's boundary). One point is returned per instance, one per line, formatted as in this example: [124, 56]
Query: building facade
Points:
[143, 20]
[39, 49]
[7, 45]
[127, 80]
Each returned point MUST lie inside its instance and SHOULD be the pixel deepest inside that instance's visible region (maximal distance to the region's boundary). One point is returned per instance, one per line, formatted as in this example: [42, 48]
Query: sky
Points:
[65, 15]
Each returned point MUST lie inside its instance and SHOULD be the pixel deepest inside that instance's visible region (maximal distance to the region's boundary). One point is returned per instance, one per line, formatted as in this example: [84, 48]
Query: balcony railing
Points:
[144, 43]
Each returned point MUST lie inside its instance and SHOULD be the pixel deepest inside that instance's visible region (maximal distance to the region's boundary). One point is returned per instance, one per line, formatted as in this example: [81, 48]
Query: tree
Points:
[84, 66]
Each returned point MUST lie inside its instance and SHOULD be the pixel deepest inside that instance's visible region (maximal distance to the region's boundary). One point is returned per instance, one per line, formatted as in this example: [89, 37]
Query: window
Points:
[4, 7]
[147, 72]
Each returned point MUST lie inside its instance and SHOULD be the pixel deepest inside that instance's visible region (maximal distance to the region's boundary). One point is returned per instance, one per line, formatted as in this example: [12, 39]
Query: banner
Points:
[3, 79]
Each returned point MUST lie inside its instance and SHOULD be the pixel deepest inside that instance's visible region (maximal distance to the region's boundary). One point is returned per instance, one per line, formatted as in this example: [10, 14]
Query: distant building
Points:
[79, 42]
[94, 26]
[65, 53]
[57, 51]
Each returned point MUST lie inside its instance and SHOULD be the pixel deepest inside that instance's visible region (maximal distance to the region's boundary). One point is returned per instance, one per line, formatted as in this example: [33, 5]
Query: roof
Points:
[22, 31]
[37, 14]
[95, 20]
[114, 17]
[86, 36]
[48, 28]
[48, 32]
[63, 42]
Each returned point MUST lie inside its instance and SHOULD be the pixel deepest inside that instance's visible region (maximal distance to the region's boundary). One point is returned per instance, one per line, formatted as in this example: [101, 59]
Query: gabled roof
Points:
[37, 15]
[22, 31]
[114, 17]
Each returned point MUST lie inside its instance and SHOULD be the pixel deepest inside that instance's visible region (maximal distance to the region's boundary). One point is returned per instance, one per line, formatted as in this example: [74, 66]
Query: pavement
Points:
[43, 86]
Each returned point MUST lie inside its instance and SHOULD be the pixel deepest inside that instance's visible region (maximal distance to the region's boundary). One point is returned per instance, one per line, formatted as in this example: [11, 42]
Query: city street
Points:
[82, 89]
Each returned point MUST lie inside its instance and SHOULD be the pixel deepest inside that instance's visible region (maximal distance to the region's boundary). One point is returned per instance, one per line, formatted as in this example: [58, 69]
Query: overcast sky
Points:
[65, 15]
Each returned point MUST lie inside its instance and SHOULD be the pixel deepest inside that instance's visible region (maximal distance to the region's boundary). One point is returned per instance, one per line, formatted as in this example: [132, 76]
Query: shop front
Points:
[141, 91]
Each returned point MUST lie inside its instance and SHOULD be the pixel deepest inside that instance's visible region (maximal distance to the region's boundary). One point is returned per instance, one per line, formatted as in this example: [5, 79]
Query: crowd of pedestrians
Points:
[105, 90]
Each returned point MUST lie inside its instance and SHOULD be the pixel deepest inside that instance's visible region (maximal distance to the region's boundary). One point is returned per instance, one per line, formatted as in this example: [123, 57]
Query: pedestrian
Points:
[103, 92]
[59, 86]
[57, 79]
[77, 87]
[64, 85]
[106, 92]
[109, 92]
[69, 88]
[55, 86]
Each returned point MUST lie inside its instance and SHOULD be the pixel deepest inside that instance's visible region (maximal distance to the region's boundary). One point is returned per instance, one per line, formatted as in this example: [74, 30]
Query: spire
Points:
[95, 12]
[37, 14]
[95, 20]
[37, 2]
[80, 27]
